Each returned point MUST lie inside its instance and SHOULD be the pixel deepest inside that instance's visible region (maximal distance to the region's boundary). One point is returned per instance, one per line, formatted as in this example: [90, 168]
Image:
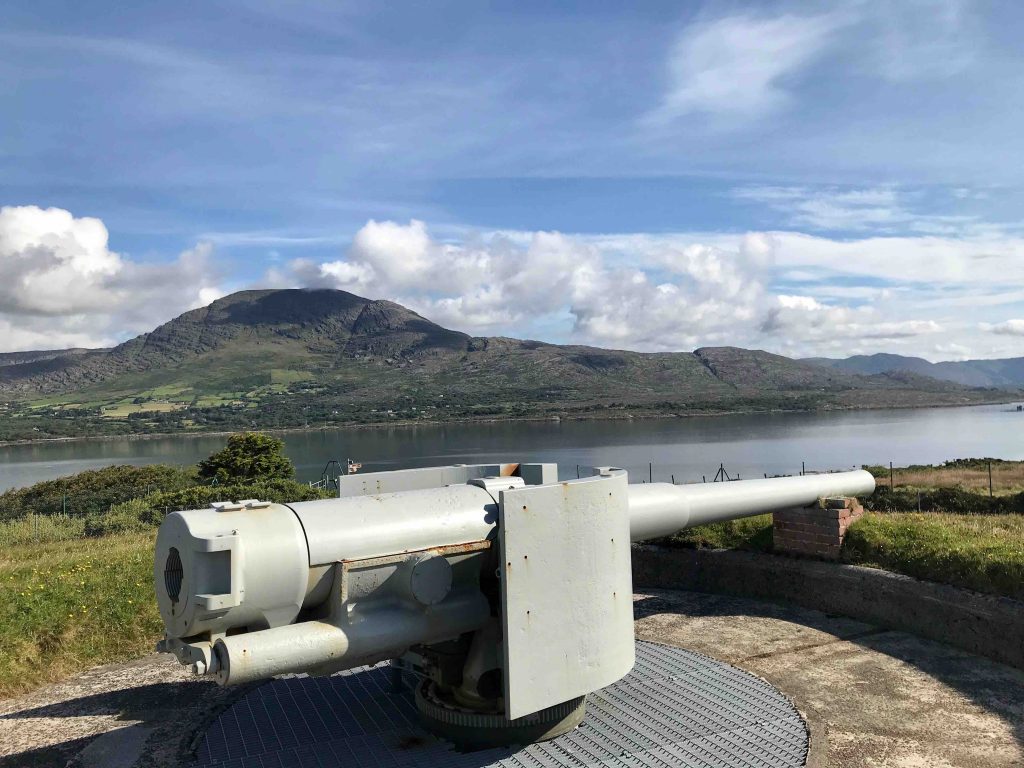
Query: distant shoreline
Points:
[487, 420]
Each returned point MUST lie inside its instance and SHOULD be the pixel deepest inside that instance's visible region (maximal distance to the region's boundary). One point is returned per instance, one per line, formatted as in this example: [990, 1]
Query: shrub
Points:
[93, 491]
[198, 496]
[957, 500]
[131, 516]
[252, 456]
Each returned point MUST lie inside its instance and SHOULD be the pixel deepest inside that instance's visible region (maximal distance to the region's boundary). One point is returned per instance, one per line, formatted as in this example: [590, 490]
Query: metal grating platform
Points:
[676, 708]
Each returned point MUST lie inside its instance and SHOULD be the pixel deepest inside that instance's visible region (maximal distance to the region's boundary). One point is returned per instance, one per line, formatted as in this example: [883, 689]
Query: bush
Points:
[198, 496]
[248, 456]
[132, 516]
[956, 500]
[93, 491]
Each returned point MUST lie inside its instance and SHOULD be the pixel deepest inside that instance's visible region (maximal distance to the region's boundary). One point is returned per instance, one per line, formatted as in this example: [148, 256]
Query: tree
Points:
[248, 456]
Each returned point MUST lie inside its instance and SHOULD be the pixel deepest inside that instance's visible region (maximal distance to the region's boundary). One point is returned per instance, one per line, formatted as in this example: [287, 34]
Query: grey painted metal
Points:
[378, 574]
[388, 523]
[231, 567]
[372, 483]
[675, 708]
[364, 635]
[660, 509]
[565, 564]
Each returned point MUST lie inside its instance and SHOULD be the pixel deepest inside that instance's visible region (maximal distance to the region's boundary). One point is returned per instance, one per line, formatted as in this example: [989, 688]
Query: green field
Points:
[122, 409]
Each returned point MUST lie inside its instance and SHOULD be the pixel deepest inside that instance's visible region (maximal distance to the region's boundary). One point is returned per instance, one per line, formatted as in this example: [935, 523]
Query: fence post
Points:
[990, 480]
[891, 486]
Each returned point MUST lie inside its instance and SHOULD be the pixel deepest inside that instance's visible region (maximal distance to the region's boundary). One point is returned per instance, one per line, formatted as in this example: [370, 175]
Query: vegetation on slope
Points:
[70, 605]
[960, 486]
[287, 359]
[77, 589]
[984, 553]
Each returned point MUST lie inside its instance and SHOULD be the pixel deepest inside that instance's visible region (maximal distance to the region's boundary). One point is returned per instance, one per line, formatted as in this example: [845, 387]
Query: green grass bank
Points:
[69, 605]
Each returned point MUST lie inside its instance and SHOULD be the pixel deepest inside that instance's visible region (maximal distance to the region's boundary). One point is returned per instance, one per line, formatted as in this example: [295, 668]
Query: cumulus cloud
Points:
[785, 291]
[61, 285]
[810, 320]
[516, 283]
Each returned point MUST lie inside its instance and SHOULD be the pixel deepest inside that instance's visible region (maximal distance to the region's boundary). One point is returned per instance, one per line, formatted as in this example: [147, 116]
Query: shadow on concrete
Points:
[54, 756]
[177, 712]
[996, 688]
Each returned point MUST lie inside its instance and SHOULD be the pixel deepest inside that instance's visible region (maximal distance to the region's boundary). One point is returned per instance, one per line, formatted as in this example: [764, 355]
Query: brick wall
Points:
[817, 530]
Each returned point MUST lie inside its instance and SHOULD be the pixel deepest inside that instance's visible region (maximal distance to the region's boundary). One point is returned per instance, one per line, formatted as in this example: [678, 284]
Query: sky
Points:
[806, 178]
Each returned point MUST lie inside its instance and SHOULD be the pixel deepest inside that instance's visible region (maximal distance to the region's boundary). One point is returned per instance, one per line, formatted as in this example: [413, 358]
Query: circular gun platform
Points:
[675, 708]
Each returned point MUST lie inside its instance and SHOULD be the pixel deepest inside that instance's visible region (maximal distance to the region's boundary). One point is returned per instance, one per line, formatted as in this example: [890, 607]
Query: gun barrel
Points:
[660, 509]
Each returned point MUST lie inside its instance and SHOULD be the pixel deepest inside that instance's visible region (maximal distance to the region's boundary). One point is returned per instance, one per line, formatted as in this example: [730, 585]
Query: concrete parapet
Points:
[983, 624]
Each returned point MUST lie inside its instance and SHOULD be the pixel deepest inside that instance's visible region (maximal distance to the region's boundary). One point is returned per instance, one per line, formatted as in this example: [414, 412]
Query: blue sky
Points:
[805, 178]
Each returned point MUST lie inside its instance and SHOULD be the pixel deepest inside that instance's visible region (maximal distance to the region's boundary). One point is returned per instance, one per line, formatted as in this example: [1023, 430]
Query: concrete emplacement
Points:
[874, 696]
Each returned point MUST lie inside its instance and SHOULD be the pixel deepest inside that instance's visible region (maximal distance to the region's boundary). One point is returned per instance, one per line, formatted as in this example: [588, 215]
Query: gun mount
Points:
[505, 592]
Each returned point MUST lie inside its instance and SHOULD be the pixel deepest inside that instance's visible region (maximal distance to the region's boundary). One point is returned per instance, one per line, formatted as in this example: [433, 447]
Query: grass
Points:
[969, 474]
[69, 605]
[35, 529]
[751, 533]
[288, 376]
[980, 552]
[120, 410]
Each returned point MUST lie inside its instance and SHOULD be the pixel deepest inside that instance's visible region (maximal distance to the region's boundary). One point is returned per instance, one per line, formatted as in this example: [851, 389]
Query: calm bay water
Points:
[749, 445]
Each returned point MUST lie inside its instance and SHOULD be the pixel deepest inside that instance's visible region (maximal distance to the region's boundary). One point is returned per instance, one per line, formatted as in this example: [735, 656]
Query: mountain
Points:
[277, 358]
[1004, 373]
[17, 358]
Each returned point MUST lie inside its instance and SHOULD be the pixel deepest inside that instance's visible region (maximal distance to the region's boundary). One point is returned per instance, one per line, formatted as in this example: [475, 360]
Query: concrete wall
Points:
[982, 624]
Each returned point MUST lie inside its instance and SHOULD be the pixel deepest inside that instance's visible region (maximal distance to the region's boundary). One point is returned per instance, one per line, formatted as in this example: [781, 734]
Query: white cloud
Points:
[810, 320]
[790, 292]
[680, 293]
[61, 285]
[738, 65]
[1014, 327]
[881, 210]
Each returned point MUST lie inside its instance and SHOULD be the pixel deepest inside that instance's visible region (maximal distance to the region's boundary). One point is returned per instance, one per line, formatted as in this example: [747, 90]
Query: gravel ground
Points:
[145, 713]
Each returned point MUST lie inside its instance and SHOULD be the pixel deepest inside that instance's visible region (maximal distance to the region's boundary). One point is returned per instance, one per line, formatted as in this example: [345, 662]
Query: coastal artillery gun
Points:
[504, 592]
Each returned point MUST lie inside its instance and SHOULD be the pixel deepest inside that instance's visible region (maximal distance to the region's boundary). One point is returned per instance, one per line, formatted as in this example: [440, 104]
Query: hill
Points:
[1004, 373]
[286, 358]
